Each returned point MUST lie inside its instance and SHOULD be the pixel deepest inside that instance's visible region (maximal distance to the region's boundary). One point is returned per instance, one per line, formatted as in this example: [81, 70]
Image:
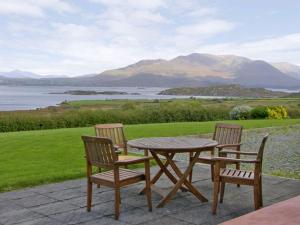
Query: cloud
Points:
[107, 34]
[141, 4]
[124, 32]
[33, 8]
[274, 49]
[210, 27]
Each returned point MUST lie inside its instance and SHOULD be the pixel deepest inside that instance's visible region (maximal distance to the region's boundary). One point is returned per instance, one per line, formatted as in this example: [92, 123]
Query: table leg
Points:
[158, 174]
[165, 170]
[182, 180]
[187, 183]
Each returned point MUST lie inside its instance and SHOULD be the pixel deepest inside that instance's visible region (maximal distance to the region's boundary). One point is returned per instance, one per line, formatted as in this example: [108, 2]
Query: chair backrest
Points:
[228, 133]
[113, 131]
[261, 148]
[258, 166]
[99, 151]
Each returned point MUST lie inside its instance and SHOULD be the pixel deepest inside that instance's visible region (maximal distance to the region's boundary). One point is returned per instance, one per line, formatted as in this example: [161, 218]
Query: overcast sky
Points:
[75, 37]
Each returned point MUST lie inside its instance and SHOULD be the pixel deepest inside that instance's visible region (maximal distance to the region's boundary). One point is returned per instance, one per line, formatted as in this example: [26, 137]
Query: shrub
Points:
[128, 106]
[242, 112]
[277, 112]
[259, 112]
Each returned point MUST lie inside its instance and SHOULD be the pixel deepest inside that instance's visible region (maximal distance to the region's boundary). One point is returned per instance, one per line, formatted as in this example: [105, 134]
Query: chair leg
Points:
[256, 196]
[238, 167]
[212, 172]
[117, 203]
[191, 173]
[222, 191]
[260, 194]
[215, 196]
[89, 195]
[148, 187]
[99, 171]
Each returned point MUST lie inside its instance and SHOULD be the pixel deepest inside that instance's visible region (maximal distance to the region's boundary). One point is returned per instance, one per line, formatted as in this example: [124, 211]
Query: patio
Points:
[64, 203]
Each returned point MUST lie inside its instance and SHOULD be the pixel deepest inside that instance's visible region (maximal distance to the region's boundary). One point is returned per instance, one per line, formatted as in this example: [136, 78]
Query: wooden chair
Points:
[115, 132]
[100, 152]
[224, 175]
[228, 136]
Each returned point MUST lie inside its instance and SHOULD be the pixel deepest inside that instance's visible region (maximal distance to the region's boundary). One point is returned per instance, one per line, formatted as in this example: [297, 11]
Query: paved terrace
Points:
[64, 203]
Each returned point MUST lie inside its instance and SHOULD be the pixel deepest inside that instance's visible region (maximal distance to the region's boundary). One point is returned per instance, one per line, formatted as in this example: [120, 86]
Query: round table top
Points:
[180, 144]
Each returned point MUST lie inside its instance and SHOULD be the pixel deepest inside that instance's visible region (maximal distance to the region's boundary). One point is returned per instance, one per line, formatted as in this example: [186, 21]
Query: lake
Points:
[32, 97]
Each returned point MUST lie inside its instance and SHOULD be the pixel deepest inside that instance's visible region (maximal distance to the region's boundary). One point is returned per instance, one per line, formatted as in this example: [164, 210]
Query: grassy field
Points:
[292, 103]
[86, 113]
[36, 157]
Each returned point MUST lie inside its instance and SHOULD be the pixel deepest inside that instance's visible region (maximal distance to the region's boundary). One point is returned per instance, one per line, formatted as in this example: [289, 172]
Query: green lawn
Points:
[34, 157]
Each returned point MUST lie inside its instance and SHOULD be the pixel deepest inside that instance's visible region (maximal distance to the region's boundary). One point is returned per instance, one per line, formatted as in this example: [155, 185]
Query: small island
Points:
[82, 92]
[232, 90]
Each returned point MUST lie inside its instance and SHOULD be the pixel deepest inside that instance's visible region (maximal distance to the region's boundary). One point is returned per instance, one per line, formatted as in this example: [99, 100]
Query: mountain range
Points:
[191, 70]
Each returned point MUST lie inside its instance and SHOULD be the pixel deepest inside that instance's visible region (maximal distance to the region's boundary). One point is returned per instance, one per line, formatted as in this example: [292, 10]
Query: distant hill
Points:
[293, 95]
[192, 70]
[19, 74]
[202, 70]
[224, 91]
[288, 68]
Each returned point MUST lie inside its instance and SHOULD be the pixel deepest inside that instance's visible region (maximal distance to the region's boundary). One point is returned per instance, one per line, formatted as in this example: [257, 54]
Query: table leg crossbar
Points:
[182, 177]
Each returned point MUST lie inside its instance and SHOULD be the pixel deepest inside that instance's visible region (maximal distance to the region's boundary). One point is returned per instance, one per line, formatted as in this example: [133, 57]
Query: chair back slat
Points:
[113, 131]
[227, 133]
[99, 151]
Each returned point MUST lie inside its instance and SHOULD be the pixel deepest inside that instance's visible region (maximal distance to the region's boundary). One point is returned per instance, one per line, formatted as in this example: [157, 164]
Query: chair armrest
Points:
[231, 160]
[238, 152]
[132, 161]
[220, 147]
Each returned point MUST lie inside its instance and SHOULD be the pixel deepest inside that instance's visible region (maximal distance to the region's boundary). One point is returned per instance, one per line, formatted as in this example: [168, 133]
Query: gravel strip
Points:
[282, 152]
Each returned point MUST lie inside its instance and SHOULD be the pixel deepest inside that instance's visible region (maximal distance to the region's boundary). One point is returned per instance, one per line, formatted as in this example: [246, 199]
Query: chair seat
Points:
[240, 174]
[124, 174]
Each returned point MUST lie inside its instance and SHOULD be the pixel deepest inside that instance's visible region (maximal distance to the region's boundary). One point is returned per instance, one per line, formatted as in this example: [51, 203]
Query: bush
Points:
[240, 112]
[129, 106]
[277, 112]
[128, 114]
[259, 112]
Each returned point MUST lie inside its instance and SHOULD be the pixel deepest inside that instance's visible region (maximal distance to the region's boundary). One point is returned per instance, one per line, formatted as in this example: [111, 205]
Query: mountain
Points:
[195, 70]
[288, 68]
[19, 74]
[192, 66]
[201, 70]
[259, 73]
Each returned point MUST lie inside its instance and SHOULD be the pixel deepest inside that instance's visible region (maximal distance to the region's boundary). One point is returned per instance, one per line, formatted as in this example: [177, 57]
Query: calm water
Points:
[20, 98]
[25, 97]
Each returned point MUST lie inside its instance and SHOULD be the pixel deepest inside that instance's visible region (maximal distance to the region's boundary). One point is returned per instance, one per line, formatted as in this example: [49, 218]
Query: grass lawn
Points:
[292, 104]
[35, 157]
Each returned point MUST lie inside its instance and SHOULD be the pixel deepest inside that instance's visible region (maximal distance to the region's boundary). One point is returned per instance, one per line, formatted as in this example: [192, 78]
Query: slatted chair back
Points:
[228, 133]
[113, 131]
[99, 151]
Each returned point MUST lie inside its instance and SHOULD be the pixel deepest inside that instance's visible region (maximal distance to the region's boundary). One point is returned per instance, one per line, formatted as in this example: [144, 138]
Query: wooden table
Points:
[168, 147]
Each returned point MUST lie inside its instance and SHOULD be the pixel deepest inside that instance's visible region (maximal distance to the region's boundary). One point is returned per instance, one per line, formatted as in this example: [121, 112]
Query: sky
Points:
[76, 37]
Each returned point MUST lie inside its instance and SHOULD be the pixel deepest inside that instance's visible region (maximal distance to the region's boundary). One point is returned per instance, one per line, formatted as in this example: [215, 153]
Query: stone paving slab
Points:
[64, 203]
